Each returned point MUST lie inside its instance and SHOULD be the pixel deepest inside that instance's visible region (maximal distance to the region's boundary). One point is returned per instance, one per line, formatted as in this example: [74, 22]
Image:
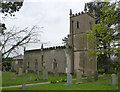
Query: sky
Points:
[52, 15]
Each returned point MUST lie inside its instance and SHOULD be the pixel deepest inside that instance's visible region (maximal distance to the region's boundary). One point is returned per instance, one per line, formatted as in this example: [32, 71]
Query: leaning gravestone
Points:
[23, 86]
[104, 76]
[45, 74]
[113, 79]
[79, 77]
[30, 78]
[69, 79]
[95, 75]
[89, 76]
[20, 72]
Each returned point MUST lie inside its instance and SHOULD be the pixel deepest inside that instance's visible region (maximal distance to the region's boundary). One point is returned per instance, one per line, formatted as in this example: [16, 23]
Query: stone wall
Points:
[58, 54]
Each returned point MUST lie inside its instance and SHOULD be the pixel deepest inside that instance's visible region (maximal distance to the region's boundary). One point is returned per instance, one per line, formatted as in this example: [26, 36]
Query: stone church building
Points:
[66, 59]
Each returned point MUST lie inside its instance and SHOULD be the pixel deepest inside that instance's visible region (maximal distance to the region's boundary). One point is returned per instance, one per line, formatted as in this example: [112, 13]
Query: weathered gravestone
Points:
[37, 79]
[95, 75]
[69, 79]
[89, 76]
[13, 77]
[23, 85]
[30, 78]
[79, 77]
[56, 72]
[20, 72]
[104, 76]
[113, 79]
[26, 72]
[45, 74]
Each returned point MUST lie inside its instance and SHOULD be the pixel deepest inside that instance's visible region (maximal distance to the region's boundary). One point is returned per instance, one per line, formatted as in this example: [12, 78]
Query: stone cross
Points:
[45, 74]
[89, 76]
[113, 79]
[23, 85]
[79, 77]
[69, 79]
[20, 72]
[95, 75]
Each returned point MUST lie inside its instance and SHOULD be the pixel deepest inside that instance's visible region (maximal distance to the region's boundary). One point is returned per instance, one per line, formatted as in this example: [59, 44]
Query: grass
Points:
[98, 85]
[7, 81]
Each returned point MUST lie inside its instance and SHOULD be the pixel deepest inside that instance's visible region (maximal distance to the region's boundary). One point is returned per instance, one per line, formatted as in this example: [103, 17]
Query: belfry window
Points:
[91, 25]
[77, 24]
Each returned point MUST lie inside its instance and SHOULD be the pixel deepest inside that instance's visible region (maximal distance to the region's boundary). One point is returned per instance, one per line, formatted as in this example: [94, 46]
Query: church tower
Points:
[79, 24]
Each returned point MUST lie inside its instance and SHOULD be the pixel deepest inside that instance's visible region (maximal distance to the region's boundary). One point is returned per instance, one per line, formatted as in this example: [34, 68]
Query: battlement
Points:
[50, 48]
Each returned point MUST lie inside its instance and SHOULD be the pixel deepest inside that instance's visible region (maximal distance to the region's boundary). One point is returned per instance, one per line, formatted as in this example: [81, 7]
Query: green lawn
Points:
[7, 81]
[99, 85]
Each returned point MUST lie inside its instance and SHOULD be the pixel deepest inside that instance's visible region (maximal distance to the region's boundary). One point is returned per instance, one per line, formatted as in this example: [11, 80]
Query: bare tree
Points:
[14, 38]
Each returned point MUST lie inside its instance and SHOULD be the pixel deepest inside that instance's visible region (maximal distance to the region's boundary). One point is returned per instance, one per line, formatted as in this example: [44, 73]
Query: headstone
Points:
[30, 78]
[113, 79]
[69, 79]
[89, 76]
[45, 74]
[20, 72]
[37, 79]
[95, 75]
[79, 77]
[104, 76]
[23, 86]
[26, 72]
[56, 72]
[13, 77]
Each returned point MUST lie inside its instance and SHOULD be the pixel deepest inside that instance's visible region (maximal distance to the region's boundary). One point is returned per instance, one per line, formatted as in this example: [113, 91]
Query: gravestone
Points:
[113, 79]
[95, 75]
[89, 76]
[23, 85]
[13, 77]
[79, 77]
[56, 72]
[30, 78]
[45, 74]
[37, 79]
[20, 72]
[26, 72]
[104, 76]
[69, 79]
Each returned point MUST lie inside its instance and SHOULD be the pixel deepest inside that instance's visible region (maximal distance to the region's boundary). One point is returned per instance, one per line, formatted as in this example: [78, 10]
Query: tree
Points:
[8, 7]
[15, 38]
[105, 30]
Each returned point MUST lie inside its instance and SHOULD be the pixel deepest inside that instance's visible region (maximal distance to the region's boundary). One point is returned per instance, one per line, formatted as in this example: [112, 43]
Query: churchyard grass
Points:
[98, 85]
[7, 81]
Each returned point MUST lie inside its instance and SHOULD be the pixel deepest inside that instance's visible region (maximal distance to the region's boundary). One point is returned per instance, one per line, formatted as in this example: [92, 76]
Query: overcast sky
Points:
[53, 15]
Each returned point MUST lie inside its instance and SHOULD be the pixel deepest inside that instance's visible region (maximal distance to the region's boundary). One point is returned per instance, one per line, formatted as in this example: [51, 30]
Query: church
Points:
[66, 59]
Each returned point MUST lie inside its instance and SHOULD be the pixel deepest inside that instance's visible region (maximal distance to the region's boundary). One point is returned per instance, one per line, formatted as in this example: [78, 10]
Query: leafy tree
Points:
[10, 6]
[105, 30]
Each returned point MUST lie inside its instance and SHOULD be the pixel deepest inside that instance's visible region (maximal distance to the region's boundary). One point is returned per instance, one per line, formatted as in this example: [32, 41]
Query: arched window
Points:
[77, 25]
[36, 65]
[55, 64]
[28, 64]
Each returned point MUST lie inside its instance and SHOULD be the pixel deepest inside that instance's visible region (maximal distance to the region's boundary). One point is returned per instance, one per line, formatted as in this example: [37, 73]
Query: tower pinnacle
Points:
[70, 12]
[85, 8]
